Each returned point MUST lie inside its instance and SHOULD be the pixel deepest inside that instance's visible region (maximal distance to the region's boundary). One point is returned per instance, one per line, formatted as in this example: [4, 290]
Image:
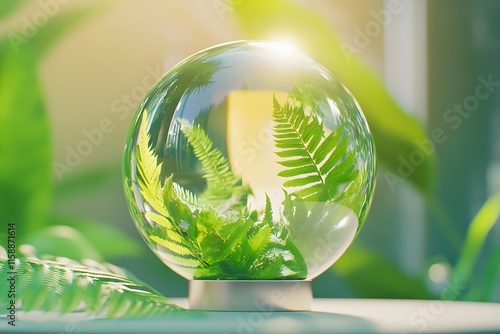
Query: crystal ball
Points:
[249, 161]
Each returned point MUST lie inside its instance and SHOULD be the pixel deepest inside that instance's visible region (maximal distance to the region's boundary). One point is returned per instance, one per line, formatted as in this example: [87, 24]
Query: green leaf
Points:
[171, 211]
[322, 169]
[189, 198]
[295, 162]
[160, 220]
[148, 169]
[97, 289]
[311, 191]
[25, 143]
[478, 230]
[222, 184]
[491, 276]
[233, 236]
[370, 275]
[258, 242]
[305, 181]
[61, 240]
[336, 156]
[109, 241]
[177, 248]
[292, 153]
[396, 133]
[182, 261]
[327, 146]
[25, 149]
[271, 269]
[219, 243]
[268, 214]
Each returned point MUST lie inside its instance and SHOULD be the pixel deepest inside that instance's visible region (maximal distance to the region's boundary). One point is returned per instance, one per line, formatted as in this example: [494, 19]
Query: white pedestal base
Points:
[247, 295]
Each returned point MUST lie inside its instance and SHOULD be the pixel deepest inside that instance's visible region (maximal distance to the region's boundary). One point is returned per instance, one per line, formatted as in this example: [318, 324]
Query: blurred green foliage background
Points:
[71, 76]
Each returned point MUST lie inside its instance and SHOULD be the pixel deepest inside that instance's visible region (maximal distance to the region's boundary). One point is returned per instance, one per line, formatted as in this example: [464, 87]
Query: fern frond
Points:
[182, 261]
[273, 267]
[175, 247]
[213, 234]
[160, 220]
[189, 198]
[257, 245]
[171, 203]
[222, 184]
[234, 235]
[148, 169]
[260, 239]
[316, 165]
[62, 285]
[268, 213]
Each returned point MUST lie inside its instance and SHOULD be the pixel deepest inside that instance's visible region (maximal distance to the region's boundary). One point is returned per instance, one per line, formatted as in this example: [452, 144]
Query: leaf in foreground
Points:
[97, 289]
[25, 146]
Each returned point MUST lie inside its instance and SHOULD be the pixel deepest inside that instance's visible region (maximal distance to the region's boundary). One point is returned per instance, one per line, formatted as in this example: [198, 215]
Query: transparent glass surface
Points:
[249, 160]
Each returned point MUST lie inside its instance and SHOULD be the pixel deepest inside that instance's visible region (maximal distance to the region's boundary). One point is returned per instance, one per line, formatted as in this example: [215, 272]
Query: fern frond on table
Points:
[64, 286]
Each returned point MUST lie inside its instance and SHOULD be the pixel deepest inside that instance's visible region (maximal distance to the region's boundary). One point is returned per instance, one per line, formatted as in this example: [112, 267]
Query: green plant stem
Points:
[444, 221]
[491, 275]
[478, 230]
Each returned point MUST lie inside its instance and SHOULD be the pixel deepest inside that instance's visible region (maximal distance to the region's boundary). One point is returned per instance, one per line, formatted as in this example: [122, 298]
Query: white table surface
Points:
[327, 316]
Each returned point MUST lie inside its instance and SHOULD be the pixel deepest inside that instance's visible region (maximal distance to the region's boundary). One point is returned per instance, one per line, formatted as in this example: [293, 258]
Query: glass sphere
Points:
[250, 161]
